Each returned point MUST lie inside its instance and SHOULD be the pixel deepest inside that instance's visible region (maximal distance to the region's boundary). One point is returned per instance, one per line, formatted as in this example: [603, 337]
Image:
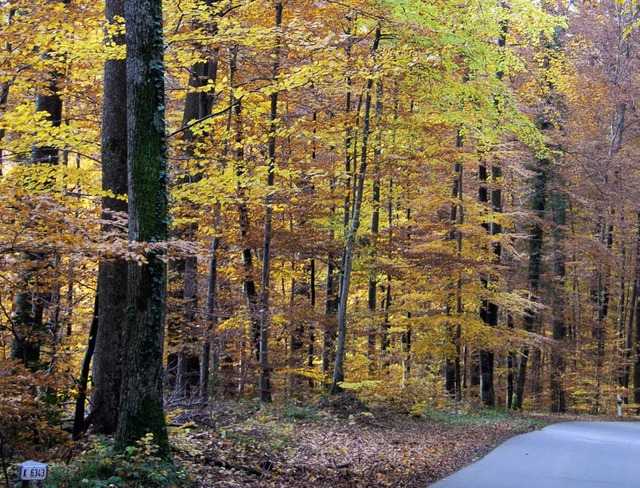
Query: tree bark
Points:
[211, 313]
[538, 204]
[558, 395]
[141, 402]
[198, 105]
[375, 230]
[112, 271]
[264, 382]
[488, 309]
[352, 232]
[79, 424]
[329, 327]
[452, 361]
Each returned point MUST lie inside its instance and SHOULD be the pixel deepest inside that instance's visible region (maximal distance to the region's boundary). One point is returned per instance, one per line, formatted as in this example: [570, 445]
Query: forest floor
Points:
[337, 443]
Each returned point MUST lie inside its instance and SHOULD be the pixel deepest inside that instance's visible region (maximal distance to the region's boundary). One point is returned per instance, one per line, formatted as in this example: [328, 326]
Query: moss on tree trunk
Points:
[141, 403]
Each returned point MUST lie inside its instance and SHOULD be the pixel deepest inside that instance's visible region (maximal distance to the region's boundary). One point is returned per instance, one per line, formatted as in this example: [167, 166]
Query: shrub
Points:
[139, 466]
[30, 415]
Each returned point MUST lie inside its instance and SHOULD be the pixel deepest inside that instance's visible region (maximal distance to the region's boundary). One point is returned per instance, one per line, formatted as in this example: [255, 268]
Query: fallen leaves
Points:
[324, 447]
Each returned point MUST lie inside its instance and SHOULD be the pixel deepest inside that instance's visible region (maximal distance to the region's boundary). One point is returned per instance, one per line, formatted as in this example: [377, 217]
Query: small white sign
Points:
[33, 471]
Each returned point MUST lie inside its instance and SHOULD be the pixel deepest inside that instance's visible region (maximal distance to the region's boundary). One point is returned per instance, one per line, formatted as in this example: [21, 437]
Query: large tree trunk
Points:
[112, 272]
[141, 402]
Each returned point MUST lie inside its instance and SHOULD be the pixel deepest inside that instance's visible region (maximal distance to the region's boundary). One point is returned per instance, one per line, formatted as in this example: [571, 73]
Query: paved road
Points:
[569, 455]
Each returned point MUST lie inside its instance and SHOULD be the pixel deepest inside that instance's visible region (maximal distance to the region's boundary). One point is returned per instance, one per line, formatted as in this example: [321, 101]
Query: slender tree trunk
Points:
[329, 328]
[141, 402]
[375, 230]
[601, 296]
[248, 281]
[406, 338]
[211, 317]
[452, 361]
[538, 204]
[628, 332]
[488, 309]
[338, 372]
[112, 272]
[406, 341]
[79, 423]
[4, 94]
[264, 383]
[312, 333]
[636, 342]
[558, 396]
[332, 299]
[385, 339]
[198, 105]
[601, 291]
[510, 364]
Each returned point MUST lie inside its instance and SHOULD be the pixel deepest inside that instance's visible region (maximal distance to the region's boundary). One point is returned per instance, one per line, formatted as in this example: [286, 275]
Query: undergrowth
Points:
[139, 466]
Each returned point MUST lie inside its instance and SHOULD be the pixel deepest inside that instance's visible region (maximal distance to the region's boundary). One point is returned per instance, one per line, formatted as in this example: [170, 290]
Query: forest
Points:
[416, 204]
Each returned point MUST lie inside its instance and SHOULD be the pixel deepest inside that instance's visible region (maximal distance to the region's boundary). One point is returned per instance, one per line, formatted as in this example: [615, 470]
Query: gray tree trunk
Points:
[264, 383]
[112, 273]
[352, 232]
[332, 298]
[141, 402]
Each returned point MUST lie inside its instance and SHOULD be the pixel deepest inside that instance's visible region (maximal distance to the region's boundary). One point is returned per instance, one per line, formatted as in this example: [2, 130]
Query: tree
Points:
[112, 270]
[264, 381]
[141, 400]
[36, 292]
[352, 231]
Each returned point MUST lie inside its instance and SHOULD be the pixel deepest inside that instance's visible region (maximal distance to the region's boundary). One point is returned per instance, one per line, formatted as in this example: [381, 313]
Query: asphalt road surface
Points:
[569, 455]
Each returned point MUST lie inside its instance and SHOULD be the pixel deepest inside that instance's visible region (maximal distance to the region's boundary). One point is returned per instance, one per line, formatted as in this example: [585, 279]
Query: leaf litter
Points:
[339, 444]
